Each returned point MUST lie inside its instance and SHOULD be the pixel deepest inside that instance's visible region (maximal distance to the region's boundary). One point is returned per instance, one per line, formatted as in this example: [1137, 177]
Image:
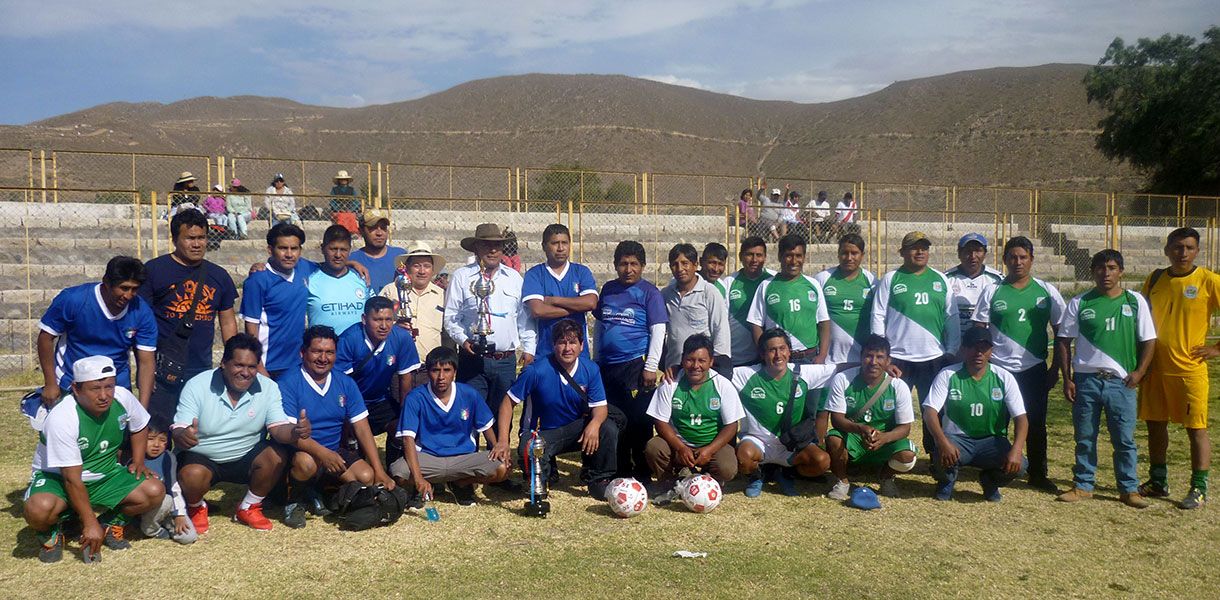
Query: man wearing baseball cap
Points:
[377, 255]
[978, 400]
[76, 464]
[970, 276]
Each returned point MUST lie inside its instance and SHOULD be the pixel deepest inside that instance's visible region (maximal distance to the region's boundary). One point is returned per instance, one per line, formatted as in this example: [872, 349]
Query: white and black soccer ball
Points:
[700, 493]
[627, 497]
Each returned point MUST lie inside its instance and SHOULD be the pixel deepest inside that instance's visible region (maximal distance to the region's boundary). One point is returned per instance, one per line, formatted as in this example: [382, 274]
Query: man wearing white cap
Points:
[419, 265]
[970, 277]
[377, 255]
[76, 466]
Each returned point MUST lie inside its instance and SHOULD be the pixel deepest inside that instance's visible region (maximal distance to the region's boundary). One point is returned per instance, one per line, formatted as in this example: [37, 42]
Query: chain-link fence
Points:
[560, 185]
[717, 190]
[448, 181]
[75, 169]
[903, 196]
[993, 199]
[941, 228]
[303, 177]
[1148, 205]
[1072, 202]
[1141, 239]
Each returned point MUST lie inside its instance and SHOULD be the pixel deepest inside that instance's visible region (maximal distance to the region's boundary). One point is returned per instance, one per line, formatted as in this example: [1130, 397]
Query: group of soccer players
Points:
[773, 375]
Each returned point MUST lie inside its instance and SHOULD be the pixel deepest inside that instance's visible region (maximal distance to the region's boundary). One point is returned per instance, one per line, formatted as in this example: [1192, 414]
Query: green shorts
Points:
[105, 493]
[858, 453]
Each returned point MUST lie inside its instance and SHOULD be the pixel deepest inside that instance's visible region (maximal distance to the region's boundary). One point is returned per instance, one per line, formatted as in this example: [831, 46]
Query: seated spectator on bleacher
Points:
[180, 201]
[238, 207]
[747, 215]
[846, 216]
[344, 205]
[281, 204]
[819, 216]
[215, 206]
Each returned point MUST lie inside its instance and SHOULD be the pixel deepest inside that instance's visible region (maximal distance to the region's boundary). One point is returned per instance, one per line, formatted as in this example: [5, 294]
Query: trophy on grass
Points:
[402, 282]
[537, 505]
[482, 288]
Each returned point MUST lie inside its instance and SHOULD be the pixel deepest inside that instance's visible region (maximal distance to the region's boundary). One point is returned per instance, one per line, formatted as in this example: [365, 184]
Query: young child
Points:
[169, 520]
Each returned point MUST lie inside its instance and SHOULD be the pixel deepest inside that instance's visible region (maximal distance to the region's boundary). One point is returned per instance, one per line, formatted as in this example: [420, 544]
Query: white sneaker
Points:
[841, 491]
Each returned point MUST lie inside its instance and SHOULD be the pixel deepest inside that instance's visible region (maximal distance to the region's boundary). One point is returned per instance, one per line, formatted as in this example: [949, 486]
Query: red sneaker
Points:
[199, 517]
[253, 517]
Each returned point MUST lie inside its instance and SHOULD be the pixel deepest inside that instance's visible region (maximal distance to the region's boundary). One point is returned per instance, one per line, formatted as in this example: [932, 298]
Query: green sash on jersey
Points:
[977, 407]
[1110, 325]
[920, 298]
[695, 414]
[741, 296]
[847, 300]
[881, 415]
[766, 399]
[793, 306]
[99, 440]
[1023, 315]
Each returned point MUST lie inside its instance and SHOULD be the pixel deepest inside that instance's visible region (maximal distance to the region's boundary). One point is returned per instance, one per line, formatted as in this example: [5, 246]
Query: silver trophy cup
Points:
[405, 315]
[538, 505]
[482, 288]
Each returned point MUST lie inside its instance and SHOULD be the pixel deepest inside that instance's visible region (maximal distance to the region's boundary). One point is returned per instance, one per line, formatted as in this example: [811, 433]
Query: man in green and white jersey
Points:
[1115, 338]
[970, 277]
[741, 287]
[76, 467]
[712, 264]
[913, 308]
[793, 302]
[696, 417]
[871, 414]
[978, 399]
[766, 392]
[847, 289]
[1019, 311]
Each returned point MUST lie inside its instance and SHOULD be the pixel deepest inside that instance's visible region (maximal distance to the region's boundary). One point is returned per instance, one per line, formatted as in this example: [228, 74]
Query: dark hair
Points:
[441, 355]
[555, 229]
[875, 342]
[753, 241]
[124, 268]
[770, 334]
[563, 328]
[853, 239]
[744, 192]
[285, 229]
[186, 218]
[716, 250]
[1182, 233]
[336, 233]
[1101, 258]
[684, 249]
[698, 341]
[157, 425]
[377, 303]
[242, 341]
[629, 248]
[1019, 242]
[318, 332]
[789, 242]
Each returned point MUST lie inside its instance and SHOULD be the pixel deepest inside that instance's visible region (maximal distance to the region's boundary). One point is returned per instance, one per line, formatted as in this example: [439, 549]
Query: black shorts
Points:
[234, 471]
[349, 457]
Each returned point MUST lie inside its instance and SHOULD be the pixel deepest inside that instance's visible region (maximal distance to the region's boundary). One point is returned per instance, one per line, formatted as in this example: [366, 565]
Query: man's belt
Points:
[500, 355]
[805, 355]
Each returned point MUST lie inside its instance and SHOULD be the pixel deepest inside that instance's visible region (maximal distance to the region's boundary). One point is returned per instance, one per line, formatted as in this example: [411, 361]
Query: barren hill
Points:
[1005, 125]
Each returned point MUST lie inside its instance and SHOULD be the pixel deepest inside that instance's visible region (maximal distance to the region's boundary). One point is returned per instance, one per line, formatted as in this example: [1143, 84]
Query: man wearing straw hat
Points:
[419, 265]
[377, 255]
[344, 205]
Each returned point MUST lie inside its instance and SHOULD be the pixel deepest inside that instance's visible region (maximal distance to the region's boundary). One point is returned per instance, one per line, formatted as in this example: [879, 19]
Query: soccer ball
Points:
[627, 497]
[700, 493]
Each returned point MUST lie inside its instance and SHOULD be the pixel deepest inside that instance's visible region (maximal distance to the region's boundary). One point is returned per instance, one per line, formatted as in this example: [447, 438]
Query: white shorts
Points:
[774, 453]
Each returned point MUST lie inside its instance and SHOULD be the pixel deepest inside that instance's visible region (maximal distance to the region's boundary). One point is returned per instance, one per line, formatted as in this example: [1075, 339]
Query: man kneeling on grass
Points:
[696, 417]
[438, 425]
[871, 414]
[221, 427]
[76, 467]
[977, 399]
[331, 401]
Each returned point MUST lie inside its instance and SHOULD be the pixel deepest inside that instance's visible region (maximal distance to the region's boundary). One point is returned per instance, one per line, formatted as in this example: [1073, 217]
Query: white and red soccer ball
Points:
[700, 493]
[627, 497]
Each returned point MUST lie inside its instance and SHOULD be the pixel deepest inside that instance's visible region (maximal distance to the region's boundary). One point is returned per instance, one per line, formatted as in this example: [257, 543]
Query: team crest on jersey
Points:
[123, 421]
[1088, 314]
[772, 299]
[389, 361]
[955, 395]
[576, 287]
[830, 290]
[714, 403]
[888, 404]
[465, 414]
[677, 403]
[1127, 312]
[813, 295]
[360, 294]
[1041, 302]
[937, 287]
[250, 413]
[342, 401]
[734, 294]
[101, 447]
[957, 286]
[758, 393]
[900, 288]
[131, 333]
[997, 394]
[1001, 305]
[82, 442]
[1191, 292]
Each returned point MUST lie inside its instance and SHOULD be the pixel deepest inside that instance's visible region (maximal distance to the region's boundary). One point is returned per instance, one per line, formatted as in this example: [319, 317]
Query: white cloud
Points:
[675, 80]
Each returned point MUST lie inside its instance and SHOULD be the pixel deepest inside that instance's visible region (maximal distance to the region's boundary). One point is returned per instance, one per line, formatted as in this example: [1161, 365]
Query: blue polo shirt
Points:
[626, 313]
[553, 403]
[394, 356]
[440, 429]
[79, 318]
[228, 432]
[277, 304]
[336, 302]
[328, 406]
[574, 281]
[381, 270]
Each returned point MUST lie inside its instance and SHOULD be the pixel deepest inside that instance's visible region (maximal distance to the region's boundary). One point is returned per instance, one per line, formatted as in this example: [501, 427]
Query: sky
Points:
[67, 55]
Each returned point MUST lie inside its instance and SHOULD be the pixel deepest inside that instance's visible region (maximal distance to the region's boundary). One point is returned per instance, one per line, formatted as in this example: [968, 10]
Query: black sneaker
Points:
[597, 489]
[1194, 499]
[464, 494]
[1153, 489]
[294, 515]
[115, 538]
[663, 492]
[316, 506]
[1042, 484]
[52, 549]
[416, 502]
[511, 486]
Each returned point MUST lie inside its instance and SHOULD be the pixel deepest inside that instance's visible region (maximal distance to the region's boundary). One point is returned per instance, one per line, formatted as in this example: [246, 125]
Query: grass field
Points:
[1026, 546]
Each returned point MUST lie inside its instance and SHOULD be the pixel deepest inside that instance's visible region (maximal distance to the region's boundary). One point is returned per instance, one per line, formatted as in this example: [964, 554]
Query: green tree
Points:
[561, 183]
[1162, 97]
[620, 193]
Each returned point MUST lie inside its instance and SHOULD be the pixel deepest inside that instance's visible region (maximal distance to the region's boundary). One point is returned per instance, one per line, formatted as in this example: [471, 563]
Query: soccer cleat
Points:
[597, 489]
[52, 549]
[841, 491]
[464, 494]
[992, 494]
[416, 502]
[199, 517]
[889, 488]
[1133, 499]
[313, 500]
[1194, 499]
[787, 485]
[253, 517]
[294, 515]
[115, 538]
[1153, 489]
[1074, 495]
[754, 485]
[1043, 484]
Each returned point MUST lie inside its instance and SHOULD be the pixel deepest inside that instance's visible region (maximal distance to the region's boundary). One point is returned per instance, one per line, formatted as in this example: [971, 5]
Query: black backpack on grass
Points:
[362, 506]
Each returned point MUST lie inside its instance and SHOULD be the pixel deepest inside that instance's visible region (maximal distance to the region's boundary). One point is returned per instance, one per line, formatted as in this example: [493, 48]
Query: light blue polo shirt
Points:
[228, 432]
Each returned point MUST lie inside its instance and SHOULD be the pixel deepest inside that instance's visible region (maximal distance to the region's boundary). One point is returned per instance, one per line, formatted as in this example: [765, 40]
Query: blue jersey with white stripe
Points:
[552, 402]
[328, 407]
[394, 356]
[277, 302]
[444, 429]
[85, 327]
[576, 280]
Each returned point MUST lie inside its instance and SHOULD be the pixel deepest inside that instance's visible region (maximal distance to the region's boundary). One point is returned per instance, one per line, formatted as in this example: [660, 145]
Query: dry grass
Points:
[1025, 546]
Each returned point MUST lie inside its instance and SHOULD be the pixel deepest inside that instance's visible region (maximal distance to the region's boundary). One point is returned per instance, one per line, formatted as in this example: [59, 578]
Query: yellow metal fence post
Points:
[42, 177]
[153, 199]
[135, 213]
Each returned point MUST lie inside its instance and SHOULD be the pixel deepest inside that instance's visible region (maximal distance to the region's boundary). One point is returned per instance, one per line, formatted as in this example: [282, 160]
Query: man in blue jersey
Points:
[375, 352]
[558, 288]
[377, 255]
[569, 413]
[274, 300]
[439, 423]
[331, 401]
[336, 293]
[99, 319]
[631, 323]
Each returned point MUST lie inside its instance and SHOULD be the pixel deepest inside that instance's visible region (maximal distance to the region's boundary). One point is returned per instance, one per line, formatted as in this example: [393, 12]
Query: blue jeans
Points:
[1093, 395]
[988, 454]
